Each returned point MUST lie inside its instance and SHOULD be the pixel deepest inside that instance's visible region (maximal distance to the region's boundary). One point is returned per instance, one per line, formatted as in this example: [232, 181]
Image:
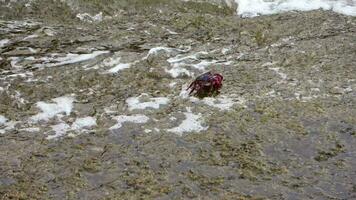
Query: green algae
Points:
[326, 155]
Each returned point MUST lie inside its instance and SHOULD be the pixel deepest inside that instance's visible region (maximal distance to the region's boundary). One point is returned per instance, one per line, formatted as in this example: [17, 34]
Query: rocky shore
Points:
[93, 102]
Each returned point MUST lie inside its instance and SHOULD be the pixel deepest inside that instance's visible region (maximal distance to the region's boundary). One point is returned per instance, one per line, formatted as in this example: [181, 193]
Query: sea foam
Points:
[252, 8]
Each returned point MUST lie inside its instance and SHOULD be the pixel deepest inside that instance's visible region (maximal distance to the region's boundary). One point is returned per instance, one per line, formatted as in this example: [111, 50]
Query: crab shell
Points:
[206, 83]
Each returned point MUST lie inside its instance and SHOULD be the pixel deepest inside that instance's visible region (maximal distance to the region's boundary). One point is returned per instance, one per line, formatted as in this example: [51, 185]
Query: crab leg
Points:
[195, 87]
[192, 84]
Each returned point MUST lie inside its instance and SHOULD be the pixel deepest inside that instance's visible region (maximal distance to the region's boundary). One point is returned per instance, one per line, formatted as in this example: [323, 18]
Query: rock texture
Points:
[96, 107]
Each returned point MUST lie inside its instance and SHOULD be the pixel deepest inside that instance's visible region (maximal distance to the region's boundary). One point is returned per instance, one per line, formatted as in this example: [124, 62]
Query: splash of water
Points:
[252, 8]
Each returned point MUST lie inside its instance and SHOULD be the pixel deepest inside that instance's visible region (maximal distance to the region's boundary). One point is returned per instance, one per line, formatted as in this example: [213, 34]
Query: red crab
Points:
[206, 84]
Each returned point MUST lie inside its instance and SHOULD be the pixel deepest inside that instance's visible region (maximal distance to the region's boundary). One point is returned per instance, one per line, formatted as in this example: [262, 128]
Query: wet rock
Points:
[279, 115]
[85, 109]
[7, 181]
[21, 51]
[336, 90]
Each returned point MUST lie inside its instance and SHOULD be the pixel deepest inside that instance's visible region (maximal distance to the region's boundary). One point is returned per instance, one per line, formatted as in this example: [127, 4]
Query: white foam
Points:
[110, 110]
[281, 74]
[111, 61]
[3, 120]
[348, 89]
[59, 130]
[119, 67]
[343, 8]
[177, 71]
[222, 103]
[153, 102]
[49, 32]
[31, 37]
[225, 51]
[171, 32]
[203, 64]
[227, 62]
[50, 110]
[80, 125]
[252, 8]
[155, 50]
[86, 17]
[315, 89]
[74, 58]
[14, 61]
[192, 123]
[172, 84]
[138, 119]
[147, 130]
[32, 50]
[271, 93]
[179, 62]
[9, 125]
[180, 58]
[22, 75]
[268, 64]
[31, 130]
[83, 123]
[17, 97]
[3, 42]
[172, 118]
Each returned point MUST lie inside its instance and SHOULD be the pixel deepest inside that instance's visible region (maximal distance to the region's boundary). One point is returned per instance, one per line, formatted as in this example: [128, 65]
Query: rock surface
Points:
[283, 126]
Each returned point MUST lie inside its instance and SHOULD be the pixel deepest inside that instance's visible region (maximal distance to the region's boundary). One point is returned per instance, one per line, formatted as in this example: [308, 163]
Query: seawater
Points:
[252, 8]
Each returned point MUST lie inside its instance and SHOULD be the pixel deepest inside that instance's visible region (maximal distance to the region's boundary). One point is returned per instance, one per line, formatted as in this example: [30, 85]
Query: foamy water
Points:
[191, 123]
[50, 110]
[137, 119]
[252, 8]
[143, 102]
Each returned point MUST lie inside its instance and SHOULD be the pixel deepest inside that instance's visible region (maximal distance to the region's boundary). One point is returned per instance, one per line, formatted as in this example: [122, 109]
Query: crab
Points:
[207, 84]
